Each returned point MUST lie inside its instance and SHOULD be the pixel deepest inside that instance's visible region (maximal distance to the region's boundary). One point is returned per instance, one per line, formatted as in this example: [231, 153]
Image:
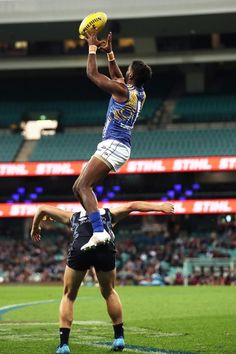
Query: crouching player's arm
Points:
[121, 212]
[47, 213]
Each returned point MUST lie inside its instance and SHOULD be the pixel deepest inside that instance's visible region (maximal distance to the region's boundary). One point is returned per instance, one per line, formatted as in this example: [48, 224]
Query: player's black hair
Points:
[141, 71]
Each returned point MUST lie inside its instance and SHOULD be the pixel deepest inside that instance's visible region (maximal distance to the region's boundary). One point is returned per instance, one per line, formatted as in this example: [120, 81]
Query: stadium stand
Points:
[9, 114]
[154, 143]
[71, 112]
[181, 143]
[74, 146]
[9, 146]
[149, 109]
[75, 99]
[152, 255]
[205, 108]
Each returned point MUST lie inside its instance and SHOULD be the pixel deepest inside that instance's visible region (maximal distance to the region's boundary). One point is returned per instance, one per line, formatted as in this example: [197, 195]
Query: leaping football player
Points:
[127, 99]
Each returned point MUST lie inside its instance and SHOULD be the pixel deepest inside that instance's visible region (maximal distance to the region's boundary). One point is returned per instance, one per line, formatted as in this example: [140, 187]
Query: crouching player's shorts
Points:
[102, 258]
[113, 153]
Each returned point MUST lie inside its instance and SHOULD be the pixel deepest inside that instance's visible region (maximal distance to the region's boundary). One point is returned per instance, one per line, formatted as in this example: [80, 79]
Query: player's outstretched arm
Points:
[115, 88]
[48, 212]
[114, 70]
[122, 212]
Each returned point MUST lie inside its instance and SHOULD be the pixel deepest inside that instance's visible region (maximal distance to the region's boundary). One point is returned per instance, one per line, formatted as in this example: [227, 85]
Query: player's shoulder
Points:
[136, 90]
[78, 215]
[104, 211]
[120, 80]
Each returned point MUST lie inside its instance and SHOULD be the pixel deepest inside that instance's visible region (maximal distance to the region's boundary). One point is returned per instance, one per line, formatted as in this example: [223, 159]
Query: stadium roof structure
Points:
[43, 20]
[23, 11]
[19, 19]
[72, 62]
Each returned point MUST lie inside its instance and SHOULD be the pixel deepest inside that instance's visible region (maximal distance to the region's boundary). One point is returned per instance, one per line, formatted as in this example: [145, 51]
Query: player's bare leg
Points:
[114, 307]
[94, 171]
[72, 281]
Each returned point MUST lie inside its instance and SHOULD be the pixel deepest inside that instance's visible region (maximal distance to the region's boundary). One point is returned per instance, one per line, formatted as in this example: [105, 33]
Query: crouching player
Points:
[102, 258]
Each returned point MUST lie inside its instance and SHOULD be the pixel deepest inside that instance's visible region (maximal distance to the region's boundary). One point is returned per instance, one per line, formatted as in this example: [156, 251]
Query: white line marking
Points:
[82, 323]
[87, 343]
[16, 306]
[146, 332]
[126, 349]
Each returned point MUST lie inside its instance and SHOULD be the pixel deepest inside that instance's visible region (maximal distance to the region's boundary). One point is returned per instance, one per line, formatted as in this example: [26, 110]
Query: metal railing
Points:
[206, 262]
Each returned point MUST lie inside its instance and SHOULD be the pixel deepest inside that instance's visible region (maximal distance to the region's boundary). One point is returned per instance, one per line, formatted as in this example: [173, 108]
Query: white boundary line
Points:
[146, 332]
[86, 339]
[17, 306]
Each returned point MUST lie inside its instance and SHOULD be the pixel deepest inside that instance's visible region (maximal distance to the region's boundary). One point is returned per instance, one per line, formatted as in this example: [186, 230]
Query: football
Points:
[95, 20]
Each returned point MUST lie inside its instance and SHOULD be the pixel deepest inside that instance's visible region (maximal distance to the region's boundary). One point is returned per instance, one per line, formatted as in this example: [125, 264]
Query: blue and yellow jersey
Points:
[121, 117]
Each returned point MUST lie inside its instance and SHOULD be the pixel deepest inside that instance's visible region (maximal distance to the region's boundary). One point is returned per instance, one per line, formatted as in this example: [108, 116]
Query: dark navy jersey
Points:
[82, 227]
[121, 117]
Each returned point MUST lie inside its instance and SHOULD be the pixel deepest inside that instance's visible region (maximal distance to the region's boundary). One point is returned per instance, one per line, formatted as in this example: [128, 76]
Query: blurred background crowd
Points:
[152, 254]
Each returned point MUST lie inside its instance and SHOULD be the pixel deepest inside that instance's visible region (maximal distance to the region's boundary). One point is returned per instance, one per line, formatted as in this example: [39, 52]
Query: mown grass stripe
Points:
[142, 349]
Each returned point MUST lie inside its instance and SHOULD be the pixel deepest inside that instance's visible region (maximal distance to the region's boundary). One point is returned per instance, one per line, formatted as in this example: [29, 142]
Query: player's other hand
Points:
[168, 208]
[35, 234]
[106, 46]
[91, 38]
[47, 218]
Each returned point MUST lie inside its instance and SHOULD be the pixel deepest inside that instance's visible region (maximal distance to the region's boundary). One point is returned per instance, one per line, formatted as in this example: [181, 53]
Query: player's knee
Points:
[70, 294]
[78, 189]
[106, 292]
[80, 186]
[75, 190]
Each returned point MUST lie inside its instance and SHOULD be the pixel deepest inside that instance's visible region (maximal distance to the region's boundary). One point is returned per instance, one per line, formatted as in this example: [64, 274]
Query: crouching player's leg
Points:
[72, 281]
[114, 307]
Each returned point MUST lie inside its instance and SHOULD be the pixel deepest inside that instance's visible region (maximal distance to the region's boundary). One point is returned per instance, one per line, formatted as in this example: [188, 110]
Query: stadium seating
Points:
[75, 146]
[157, 260]
[184, 143]
[205, 109]
[10, 113]
[71, 112]
[149, 109]
[9, 146]
[70, 146]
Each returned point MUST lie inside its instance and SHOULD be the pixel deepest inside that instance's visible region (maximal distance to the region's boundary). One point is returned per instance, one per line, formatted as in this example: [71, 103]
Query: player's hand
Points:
[91, 38]
[106, 46]
[47, 218]
[168, 208]
[35, 234]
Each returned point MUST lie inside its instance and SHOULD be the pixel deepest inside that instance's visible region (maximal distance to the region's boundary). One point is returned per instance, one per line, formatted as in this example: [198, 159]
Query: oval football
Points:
[95, 20]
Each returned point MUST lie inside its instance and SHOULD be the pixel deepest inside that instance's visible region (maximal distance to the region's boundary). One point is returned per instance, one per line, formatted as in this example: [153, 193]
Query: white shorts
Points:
[113, 153]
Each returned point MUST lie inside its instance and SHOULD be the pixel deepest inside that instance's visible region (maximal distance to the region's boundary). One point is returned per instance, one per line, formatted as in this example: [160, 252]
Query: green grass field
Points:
[157, 320]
